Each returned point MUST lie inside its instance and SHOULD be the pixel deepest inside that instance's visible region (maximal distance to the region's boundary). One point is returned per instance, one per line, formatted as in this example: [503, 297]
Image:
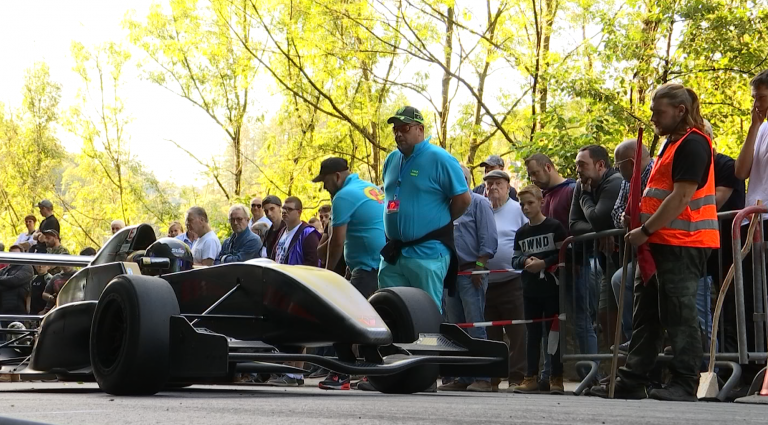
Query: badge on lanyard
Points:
[393, 206]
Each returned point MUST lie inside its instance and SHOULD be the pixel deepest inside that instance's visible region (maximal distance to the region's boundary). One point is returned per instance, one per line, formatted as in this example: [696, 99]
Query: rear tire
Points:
[407, 312]
[130, 335]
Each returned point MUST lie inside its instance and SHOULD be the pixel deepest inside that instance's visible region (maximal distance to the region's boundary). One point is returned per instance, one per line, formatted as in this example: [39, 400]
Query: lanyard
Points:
[400, 175]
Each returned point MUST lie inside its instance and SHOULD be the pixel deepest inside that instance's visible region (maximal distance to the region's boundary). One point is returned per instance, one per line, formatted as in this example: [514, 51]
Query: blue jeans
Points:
[468, 306]
[626, 320]
[704, 306]
[584, 293]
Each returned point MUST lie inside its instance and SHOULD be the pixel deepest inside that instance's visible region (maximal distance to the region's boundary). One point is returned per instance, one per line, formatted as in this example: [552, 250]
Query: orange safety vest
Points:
[697, 225]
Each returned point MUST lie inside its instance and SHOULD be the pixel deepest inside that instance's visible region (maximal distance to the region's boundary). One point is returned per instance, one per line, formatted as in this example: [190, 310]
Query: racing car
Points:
[138, 318]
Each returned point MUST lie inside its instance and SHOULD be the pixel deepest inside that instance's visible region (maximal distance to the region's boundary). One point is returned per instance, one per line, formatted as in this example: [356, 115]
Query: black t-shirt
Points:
[539, 241]
[50, 222]
[37, 287]
[725, 176]
[692, 159]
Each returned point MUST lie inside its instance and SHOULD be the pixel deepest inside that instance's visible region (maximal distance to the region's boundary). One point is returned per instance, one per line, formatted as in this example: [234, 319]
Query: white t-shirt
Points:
[263, 219]
[25, 237]
[758, 176]
[509, 217]
[284, 243]
[206, 247]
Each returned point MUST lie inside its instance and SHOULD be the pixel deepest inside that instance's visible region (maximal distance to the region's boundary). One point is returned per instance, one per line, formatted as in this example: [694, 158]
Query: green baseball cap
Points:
[406, 115]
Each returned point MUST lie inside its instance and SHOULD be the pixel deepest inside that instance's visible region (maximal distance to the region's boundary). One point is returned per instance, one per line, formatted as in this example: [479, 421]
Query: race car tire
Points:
[407, 312]
[130, 335]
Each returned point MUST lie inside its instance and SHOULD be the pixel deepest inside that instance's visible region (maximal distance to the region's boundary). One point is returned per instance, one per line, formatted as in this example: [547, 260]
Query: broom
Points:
[708, 386]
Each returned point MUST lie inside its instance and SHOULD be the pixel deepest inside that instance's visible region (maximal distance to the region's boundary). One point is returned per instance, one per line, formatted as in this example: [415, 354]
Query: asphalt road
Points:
[83, 404]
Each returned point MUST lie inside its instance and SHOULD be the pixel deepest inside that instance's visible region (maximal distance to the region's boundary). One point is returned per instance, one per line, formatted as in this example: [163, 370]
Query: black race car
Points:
[138, 318]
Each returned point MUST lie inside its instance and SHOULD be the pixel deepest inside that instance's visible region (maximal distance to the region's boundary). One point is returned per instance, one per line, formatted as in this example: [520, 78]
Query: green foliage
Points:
[509, 77]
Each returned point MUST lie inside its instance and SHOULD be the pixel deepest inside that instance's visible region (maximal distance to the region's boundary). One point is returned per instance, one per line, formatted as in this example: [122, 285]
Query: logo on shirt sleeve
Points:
[374, 193]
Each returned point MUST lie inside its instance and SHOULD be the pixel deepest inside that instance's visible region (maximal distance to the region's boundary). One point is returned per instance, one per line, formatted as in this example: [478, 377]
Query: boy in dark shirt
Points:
[37, 286]
[537, 246]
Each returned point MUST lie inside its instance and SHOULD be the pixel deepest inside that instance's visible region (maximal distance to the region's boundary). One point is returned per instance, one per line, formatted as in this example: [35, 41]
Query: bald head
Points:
[624, 155]
[626, 149]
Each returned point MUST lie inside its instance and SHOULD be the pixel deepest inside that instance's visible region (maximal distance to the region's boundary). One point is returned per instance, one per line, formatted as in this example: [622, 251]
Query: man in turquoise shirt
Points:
[357, 231]
[425, 191]
[357, 223]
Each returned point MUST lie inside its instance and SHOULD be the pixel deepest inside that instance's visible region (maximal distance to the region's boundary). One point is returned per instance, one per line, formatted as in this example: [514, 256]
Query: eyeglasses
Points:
[255, 205]
[237, 219]
[617, 164]
[289, 210]
[402, 129]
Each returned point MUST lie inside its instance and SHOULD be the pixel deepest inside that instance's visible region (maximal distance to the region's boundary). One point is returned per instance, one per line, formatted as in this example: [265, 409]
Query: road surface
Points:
[84, 404]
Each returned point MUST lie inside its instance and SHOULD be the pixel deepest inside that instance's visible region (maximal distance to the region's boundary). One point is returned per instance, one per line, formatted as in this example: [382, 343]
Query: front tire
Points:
[407, 313]
[130, 335]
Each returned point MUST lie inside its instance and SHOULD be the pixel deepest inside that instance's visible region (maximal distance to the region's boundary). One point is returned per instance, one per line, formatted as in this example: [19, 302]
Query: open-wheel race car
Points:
[135, 321]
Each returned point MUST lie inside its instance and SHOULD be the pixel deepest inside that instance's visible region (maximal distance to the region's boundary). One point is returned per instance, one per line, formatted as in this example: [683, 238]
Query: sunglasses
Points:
[255, 205]
[402, 129]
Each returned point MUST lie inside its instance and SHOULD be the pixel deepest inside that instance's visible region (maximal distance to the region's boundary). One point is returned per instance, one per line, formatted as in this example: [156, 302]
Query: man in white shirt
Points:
[751, 164]
[504, 297]
[206, 248]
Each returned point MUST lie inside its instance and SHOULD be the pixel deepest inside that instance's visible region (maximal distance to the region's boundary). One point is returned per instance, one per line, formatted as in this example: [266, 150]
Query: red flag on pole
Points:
[644, 259]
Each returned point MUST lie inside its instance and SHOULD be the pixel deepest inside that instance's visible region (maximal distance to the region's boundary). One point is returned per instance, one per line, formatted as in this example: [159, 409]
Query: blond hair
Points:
[532, 190]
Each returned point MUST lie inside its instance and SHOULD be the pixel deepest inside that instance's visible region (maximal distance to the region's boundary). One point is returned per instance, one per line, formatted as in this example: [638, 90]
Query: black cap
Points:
[330, 166]
[406, 115]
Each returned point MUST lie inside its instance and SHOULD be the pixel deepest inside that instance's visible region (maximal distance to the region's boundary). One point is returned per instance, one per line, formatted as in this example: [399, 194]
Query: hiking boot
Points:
[530, 385]
[622, 392]
[672, 392]
[335, 381]
[556, 385]
[453, 386]
[481, 387]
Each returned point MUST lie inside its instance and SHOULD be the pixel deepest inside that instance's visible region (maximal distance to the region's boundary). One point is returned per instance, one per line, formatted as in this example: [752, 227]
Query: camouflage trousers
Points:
[667, 302]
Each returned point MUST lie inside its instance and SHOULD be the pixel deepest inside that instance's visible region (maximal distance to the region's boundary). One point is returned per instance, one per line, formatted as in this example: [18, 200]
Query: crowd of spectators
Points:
[424, 226]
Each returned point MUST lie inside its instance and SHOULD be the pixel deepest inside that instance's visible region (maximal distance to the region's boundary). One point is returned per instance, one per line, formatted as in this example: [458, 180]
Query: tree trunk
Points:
[546, 30]
[444, 103]
[237, 148]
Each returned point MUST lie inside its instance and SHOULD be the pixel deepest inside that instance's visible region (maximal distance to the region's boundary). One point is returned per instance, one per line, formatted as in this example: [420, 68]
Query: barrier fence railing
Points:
[589, 261]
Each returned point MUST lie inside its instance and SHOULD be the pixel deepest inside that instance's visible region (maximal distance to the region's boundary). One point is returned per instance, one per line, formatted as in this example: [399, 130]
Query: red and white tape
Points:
[508, 322]
[553, 340]
[474, 272]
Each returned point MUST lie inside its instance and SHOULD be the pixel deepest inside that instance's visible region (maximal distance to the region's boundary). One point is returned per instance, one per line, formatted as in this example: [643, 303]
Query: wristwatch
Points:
[480, 264]
[645, 231]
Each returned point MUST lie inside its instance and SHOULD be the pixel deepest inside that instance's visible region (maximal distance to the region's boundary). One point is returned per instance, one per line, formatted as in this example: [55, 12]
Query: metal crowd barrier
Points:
[580, 254]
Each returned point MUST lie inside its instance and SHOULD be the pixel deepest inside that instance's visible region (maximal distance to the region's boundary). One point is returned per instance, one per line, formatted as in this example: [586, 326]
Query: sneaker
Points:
[453, 386]
[480, 387]
[623, 348]
[530, 385]
[672, 393]
[668, 351]
[285, 381]
[431, 389]
[634, 393]
[556, 385]
[364, 385]
[335, 382]
[319, 373]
